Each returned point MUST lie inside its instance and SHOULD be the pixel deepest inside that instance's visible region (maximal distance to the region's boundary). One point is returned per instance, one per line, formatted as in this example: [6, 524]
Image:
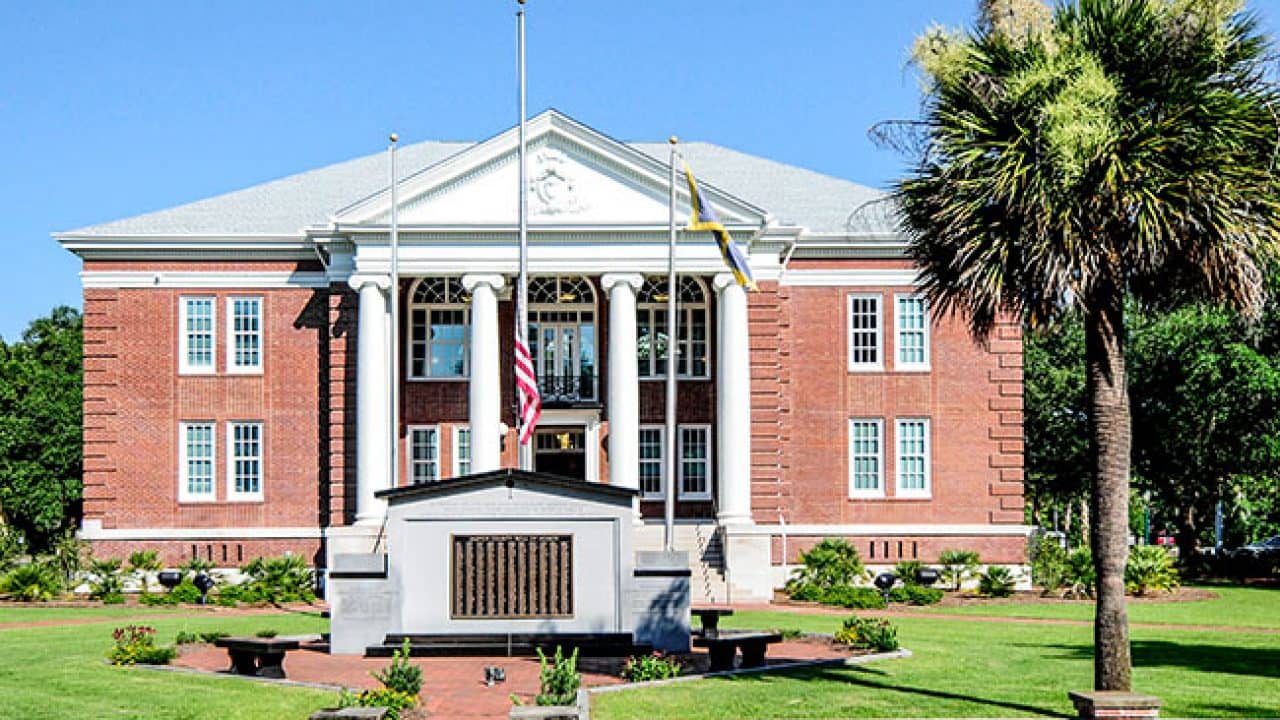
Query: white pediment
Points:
[575, 176]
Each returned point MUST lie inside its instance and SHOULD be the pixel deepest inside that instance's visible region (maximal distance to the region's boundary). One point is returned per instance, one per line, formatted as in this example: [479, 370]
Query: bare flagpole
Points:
[673, 365]
[395, 319]
[524, 457]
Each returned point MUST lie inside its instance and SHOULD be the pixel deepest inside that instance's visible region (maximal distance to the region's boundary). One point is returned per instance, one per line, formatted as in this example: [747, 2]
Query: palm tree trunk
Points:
[1109, 531]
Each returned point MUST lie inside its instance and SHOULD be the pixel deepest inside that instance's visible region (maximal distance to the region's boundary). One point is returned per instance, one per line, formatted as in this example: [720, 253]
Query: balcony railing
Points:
[567, 389]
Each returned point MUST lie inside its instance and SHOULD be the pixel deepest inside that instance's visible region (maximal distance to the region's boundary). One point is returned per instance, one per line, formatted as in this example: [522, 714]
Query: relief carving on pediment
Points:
[553, 186]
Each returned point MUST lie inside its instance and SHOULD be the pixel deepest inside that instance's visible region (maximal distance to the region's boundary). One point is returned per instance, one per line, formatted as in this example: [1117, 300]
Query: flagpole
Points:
[522, 287]
[395, 319]
[673, 363]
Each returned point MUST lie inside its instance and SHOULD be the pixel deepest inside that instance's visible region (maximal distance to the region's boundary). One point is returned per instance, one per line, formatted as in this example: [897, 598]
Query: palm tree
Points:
[1071, 158]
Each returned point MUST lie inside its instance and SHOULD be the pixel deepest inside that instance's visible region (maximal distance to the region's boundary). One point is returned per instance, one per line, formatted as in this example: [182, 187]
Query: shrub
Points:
[559, 678]
[914, 594]
[1150, 567]
[655, 666]
[12, 546]
[393, 700]
[114, 598]
[804, 592]
[36, 582]
[1081, 576]
[854, 598]
[142, 563]
[266, 634]
[147, 598]
[195, 566]
[185, 592]
[997, 581]
[70, 556]
[868, 634]
[105, 580]
[212, 637]
[830, 563]
[958, 566]
[136, 645]
[224, 600]
[906, 571]
[277, 580]
[1048, 564]
[401, 675]
[186, 637]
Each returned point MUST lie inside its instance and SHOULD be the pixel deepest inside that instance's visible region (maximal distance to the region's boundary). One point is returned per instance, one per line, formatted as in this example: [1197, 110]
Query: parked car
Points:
[1268, 548]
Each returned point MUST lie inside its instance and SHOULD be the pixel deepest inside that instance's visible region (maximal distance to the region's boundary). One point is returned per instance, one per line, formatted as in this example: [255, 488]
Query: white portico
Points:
[598, 252]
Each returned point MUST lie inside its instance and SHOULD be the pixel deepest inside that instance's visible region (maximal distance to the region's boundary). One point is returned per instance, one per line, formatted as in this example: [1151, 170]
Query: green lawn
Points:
[14, 613]
[1235, 606]
[60, 672]
[965, 668]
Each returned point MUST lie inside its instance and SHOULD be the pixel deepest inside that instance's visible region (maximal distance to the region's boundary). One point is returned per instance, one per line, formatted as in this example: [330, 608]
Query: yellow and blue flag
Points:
[704, 218]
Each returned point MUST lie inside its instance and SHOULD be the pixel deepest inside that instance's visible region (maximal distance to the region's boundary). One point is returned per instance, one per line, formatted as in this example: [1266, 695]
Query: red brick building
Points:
[237, 392]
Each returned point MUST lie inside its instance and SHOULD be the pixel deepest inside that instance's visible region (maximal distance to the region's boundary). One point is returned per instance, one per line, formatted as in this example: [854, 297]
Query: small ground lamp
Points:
[204, 584]
[927, 576]
[884, 582]
[170, 579]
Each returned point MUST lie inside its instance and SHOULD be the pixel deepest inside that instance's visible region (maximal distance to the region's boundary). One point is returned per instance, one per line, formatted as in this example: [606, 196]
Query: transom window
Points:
[195, 330]
[245, 461]
[911, 317]
[244, 334]
[196, 461]
[866, 458]
[424, 454]
[913, 458]
[864, 333]
[439, 336]
[562, 337]
[652, 331]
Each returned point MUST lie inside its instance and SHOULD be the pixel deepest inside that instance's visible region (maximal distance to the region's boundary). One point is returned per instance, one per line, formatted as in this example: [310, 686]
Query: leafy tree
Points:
[40, 427]
[1056, 422]
[1112, 148]
[1206, 409]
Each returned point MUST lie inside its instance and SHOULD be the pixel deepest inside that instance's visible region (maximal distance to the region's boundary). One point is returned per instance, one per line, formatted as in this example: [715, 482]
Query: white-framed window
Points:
[461, 450]
[424, 454]
[651, 328]
[653, 463]
[912, 437]
[911, 321]
[196, 445]
[562, 337]
[866, 457]
[244, 334]
[695, 462]
[196, 321]
[439, 329]
[866, 341]
[244, 461]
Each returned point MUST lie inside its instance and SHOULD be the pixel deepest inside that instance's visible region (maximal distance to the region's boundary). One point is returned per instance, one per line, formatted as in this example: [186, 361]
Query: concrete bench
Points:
[710, 619]
[258, 657]
[724, 646]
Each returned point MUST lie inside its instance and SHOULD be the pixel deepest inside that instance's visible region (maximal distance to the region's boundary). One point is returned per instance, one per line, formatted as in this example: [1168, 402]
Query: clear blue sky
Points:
[112, 109]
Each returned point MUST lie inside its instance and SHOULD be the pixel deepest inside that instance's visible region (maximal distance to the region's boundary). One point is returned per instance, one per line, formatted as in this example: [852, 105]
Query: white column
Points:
[373, 399]
[486, 376]
[624, 380]
[733, 403]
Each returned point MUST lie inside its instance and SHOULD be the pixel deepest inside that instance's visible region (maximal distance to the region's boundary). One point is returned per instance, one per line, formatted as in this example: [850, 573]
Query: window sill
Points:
[866, 368]
[245, 499]
[913, 369]
[196, 501]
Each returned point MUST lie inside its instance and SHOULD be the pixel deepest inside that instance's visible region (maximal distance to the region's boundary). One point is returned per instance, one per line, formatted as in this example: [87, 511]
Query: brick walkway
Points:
[454, 687]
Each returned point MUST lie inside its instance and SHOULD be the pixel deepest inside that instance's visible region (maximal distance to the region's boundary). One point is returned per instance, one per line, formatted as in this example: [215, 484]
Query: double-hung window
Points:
[244, 461]
[653, 462]
[913, 458]
[244, 334]
[461, 451]
[196, 353]
[866, 347]
[695, 462]
[195, 462]
[424, 454]
[652, 333]
[439, 329]
[911, 319]
[866, 458]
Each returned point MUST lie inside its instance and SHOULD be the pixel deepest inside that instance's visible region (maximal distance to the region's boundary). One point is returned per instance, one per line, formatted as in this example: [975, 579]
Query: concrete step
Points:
[706, 557]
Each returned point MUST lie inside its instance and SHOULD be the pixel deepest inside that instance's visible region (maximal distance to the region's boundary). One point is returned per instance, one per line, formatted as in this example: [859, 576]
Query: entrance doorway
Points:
[561, 451]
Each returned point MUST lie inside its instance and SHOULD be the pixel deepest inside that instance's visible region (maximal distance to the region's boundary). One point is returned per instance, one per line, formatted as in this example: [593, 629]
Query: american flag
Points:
[526, 376]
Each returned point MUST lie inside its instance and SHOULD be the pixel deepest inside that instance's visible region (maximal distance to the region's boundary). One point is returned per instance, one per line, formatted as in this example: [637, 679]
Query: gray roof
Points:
[795, 196]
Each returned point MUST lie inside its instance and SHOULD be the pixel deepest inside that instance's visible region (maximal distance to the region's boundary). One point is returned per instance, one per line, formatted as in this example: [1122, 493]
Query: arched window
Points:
[651, 328]
[439, 337]
[562, 337]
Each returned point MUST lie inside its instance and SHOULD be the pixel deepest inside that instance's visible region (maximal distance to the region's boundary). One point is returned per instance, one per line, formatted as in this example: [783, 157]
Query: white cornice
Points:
[890, 530]
[853, 277]
[202, 280]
